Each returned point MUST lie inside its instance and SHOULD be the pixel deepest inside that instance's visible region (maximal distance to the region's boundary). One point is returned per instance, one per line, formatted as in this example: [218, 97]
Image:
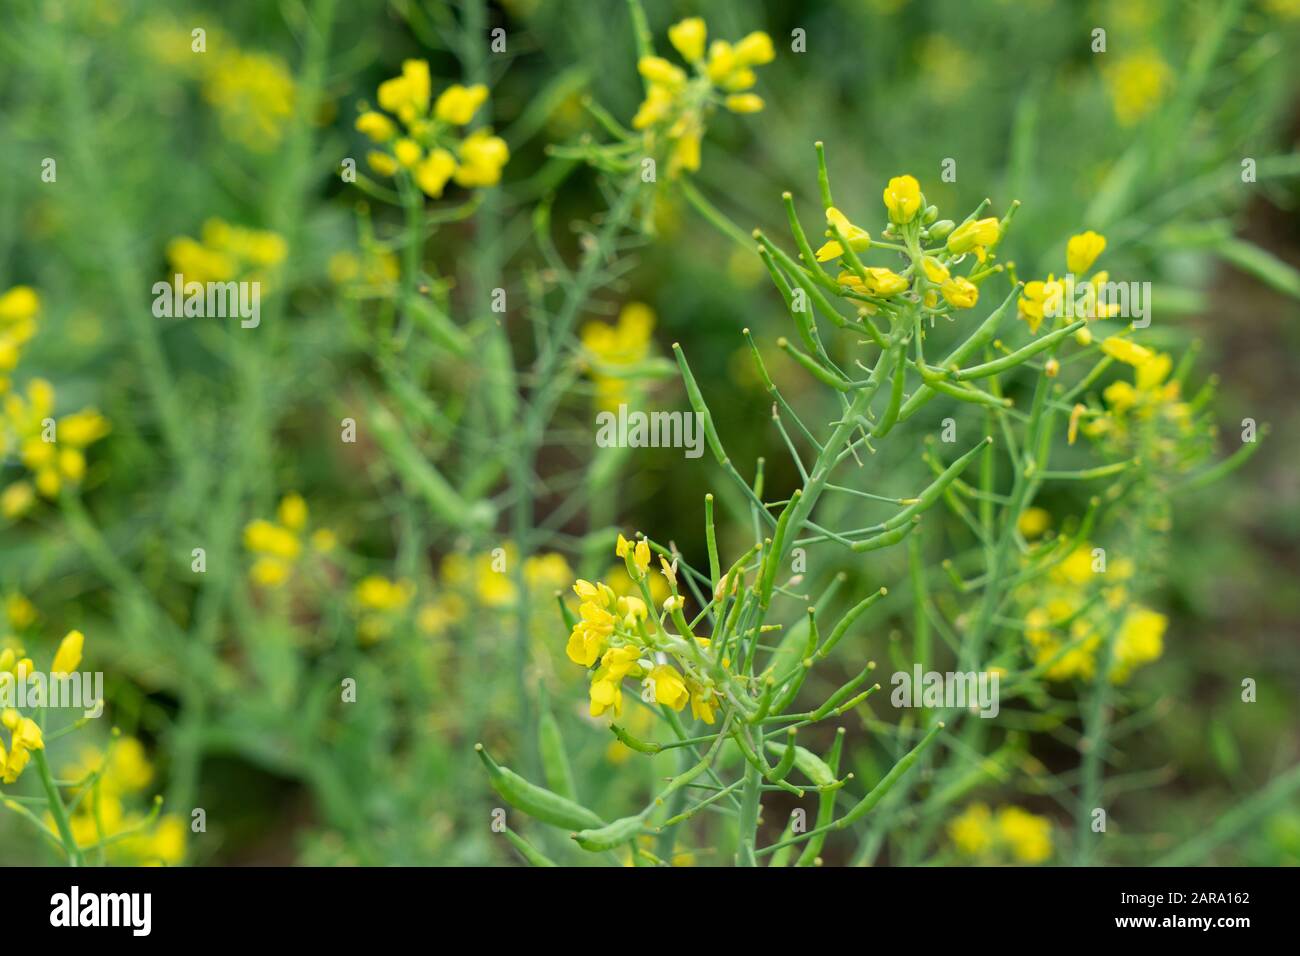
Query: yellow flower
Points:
[263, 536]
[656, 106]
[407, 96]
[20, 304]
[1033, 522]
[960, 293]
[17, 499]
[590, 635]
[1039, 299]
[977, 235]
[1140, 640]
[378, 593]
[972, 831]
[269, 572]
[884, 282]
[903, 199]
[407, 152]
[381, 163]
[688, 37]
[1137, 83]
[755, 49]
[632, 609]
[432, 174]
[68, 656]
[20, 611]
[744, 103]
[1076, 414]
[934, 270]
[292, 512]
[670, 689]
[1029, 836]
[640, 553]
[604, 695]
[1082, 251]
[457, 104]
[659, 71]
[25, 736]
[859, 239]
[378, 127]
[703, 702]
[1126, 351]
[481, 157]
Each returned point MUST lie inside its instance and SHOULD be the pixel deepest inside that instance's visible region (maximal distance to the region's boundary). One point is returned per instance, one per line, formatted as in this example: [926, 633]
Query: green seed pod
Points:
[784, 765]
[767, 579]
[843, 693]
[825, 805]
[613, 835]
[808, 764]
[537, 802]
[887, 538]
[555, 762]
[935, 489]
[867, 803]
[847, 620]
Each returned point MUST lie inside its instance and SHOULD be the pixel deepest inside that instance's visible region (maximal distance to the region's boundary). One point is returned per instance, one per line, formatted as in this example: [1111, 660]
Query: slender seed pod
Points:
[886, 538]
[1019, 356]
[696, 398]
[615, 834]
[813, 367]
[774, 555]
[842, 694]
[538, 802]
[847, 620]
[806, 762]
[825, 805]
[555, 762]
[786, 763]
[931, 494]
[867, 803]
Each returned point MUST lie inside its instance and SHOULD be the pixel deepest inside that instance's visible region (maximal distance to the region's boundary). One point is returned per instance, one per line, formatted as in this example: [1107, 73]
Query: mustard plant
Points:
[738, 640]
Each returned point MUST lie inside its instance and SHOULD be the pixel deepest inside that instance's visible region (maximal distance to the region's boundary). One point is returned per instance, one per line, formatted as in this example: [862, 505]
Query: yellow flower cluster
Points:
[1011, 833]
[1137, 83]
[19, 309]
[1149, 393]
[253, 93]
[615, 631]
[24, 733]
[427, 144]
[930, 276]
[1047, 298]
[675, 104]
[487, 580]
[225, 252]
[615, 348]
[278, 544]
[380, 603]
[376, 270]
[52, 450]
[1063, 624]
[109, 781]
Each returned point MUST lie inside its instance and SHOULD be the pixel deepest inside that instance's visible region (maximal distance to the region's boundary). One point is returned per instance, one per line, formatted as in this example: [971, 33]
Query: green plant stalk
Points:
[55, 804]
